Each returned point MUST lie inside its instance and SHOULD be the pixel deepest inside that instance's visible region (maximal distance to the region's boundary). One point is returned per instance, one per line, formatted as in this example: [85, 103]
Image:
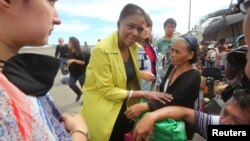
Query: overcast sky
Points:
[89, 20]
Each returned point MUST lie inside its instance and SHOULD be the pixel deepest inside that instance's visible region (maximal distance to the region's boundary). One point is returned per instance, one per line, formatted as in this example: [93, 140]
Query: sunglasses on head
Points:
[243, 5]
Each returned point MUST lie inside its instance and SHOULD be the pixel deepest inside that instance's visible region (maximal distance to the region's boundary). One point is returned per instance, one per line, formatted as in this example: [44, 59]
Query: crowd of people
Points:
[126, 76]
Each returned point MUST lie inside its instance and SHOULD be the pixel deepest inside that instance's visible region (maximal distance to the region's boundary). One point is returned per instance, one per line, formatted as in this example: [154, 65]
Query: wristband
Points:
[130, 94]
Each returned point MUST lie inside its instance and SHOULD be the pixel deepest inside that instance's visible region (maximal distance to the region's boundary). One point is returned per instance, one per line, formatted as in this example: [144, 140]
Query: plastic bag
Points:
[168, 130]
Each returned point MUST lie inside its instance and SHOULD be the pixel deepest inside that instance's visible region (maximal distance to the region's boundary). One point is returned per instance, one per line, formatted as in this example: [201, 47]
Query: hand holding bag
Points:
[168, 130]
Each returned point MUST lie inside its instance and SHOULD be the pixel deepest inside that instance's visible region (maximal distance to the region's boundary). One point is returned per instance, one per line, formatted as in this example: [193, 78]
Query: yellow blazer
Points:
[105, 87]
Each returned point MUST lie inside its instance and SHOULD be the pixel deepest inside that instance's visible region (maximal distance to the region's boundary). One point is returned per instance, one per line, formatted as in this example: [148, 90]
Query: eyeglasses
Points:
[243, 5]
[190, 39]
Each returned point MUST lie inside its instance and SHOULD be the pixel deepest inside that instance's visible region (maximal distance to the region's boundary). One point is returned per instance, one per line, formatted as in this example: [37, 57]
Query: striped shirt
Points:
[202, 120]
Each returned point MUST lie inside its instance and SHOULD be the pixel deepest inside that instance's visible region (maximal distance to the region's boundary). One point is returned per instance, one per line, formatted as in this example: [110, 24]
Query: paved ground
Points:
[63, 96]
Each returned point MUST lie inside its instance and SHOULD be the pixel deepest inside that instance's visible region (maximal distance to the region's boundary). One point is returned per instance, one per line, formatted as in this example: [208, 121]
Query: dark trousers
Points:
[72, 83]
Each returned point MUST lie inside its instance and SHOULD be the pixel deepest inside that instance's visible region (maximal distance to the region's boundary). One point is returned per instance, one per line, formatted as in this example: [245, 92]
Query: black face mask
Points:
[33, 74]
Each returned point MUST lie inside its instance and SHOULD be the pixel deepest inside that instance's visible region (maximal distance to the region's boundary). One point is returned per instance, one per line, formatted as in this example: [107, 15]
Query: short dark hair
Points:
[237, 58]
[170, 21]
[131, 9]
[242, 97]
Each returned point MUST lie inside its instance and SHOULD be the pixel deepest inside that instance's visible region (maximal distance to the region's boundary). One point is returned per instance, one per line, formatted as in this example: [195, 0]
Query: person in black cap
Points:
[236, 62]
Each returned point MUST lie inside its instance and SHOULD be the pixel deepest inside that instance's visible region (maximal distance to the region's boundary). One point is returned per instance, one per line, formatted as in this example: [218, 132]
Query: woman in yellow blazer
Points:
[112, 79]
